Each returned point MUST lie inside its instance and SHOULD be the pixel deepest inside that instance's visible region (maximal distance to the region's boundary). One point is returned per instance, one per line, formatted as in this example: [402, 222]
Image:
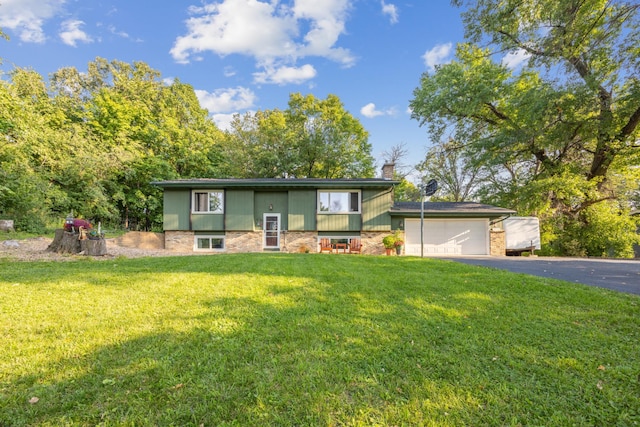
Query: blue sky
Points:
[247, 55]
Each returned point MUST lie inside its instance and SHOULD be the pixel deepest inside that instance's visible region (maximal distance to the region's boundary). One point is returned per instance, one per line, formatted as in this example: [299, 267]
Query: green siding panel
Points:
[239, 210]
[375, 210]
[176, 209]
[278, 202]
[338, 222]
[207, 222]
[302, 210]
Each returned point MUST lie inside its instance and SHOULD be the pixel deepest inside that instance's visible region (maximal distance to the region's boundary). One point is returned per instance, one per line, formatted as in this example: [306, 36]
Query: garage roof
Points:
[449, 209]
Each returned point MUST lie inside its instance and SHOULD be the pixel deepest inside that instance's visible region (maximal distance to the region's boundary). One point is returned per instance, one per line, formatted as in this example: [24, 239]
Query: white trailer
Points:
[522, 234]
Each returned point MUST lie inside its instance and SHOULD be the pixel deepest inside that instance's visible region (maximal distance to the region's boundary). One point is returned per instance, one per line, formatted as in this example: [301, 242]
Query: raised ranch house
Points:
[295, 215]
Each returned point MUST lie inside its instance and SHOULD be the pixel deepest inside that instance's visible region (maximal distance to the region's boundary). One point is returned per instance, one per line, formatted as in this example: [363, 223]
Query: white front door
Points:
[271, 231]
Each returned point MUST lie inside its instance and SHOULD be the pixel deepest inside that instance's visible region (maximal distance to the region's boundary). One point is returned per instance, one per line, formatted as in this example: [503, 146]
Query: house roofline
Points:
[278, 183]
[450, 215]
[449, 210]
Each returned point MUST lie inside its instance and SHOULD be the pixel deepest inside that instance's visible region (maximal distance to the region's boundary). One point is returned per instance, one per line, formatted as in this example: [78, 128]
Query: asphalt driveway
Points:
[619, 275]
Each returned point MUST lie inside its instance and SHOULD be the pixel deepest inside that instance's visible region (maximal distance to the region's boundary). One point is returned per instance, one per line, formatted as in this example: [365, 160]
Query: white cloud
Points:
[326, 20]
[370, 111]
[515, 59]
[223, 121]
[226, 100]
[246, 27]
[71, 33]
[113, 30]
[440, 54]
[271, 33]
[285, 75]
[391, 10]
[27, 17]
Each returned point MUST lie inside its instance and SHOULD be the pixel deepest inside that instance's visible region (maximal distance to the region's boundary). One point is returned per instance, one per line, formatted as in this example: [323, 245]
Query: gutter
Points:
[501, 219]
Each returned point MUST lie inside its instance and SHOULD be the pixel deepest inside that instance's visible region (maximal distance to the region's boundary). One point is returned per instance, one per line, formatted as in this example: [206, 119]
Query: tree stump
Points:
[65, 242]
[94, 247]
[6, 225]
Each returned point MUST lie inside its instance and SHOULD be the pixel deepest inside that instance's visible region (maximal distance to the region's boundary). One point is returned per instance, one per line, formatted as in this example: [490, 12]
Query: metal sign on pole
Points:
[426, 191]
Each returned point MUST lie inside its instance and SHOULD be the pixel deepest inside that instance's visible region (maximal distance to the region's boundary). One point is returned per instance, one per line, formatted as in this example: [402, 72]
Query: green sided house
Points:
[291, 215]
[295, 215]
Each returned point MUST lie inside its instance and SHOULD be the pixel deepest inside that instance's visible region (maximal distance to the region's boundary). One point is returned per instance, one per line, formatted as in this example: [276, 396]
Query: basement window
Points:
[209, 243]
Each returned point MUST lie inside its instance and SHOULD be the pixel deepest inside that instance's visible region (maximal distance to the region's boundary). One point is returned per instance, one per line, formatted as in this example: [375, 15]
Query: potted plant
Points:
[389, 243]
[398, 244]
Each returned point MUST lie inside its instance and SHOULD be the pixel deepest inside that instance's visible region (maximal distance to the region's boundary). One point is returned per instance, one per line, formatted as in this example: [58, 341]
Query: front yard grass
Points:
[310, 340]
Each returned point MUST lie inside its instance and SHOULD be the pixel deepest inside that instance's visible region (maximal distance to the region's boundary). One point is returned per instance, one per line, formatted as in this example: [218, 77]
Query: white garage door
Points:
[448, 236]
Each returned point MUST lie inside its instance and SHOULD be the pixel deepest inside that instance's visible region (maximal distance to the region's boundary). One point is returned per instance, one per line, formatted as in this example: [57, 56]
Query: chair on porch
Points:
[325, 245]
[355, 246]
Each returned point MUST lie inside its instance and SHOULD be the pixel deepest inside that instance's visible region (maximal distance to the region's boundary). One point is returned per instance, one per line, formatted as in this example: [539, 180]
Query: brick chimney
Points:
[387, 170]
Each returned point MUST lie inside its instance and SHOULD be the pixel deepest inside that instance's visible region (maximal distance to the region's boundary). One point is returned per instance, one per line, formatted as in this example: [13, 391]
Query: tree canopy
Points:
[557, 136]
[92, 142]
[312, 138]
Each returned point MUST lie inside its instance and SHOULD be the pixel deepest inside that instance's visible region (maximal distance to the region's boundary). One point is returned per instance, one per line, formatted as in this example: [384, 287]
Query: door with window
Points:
[271, 231]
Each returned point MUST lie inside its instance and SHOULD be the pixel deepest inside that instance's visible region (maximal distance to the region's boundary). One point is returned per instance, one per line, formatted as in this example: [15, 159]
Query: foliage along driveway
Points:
[619, 275]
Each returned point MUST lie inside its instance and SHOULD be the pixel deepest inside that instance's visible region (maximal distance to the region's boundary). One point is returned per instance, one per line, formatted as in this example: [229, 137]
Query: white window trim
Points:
[359, 211]
[209, 236]
[208, 191]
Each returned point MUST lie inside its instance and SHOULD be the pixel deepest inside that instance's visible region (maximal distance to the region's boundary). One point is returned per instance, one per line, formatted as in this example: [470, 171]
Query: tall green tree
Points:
[330, 142]
[560, 133]
[20, 184]
[260, 145]
[312, 138]
[91, 142]
[157, 130]
[189, 140]
[67, 163]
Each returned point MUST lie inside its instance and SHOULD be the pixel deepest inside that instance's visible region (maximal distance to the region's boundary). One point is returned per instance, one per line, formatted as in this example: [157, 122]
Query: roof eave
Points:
[452, 214]
[276, 183]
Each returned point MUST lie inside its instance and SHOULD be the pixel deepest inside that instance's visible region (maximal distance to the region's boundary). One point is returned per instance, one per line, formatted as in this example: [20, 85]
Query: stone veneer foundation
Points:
[372, 242]
[243, 241]
[178, 241]
[299, 241]
[251, 241]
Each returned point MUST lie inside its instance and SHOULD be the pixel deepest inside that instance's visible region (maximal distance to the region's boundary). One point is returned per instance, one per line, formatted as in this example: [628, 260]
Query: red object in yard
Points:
[76, 223]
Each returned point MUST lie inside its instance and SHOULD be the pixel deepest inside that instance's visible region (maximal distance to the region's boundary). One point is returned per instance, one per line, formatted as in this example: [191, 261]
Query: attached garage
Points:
[450, 228]
[448, 237]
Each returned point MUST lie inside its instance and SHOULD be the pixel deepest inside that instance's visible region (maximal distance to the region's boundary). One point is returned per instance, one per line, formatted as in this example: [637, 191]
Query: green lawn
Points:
[317, 340]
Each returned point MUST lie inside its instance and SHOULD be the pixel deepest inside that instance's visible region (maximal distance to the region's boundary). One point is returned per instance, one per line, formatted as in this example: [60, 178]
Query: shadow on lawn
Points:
[270, 366]
[410, 347]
